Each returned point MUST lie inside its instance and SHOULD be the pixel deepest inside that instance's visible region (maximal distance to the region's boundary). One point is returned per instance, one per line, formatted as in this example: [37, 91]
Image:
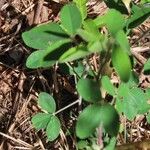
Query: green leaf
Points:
[112, 144]
[121, 39]
[71, 18]
[40, 120]
[147, 67]
[95, 115]
[108, 20]
[116, 4]
[53, 128]
[96, 46]
[148, 118]
[88, 121]
[147, 92]
[139, 15]
[74, 53]
[141, 100]
[91, 31]
[35, 60]
[134, 80]
[82, 144]
[89, 90]
[81, 4]
[47, 102]
[109, 119]
[122, 91]
[145, 1]
[108, 86]
[121, 63]
[100, 21]
[118, 24]
[133, 101]
[42, 36]
[47, 58]
[90, 26]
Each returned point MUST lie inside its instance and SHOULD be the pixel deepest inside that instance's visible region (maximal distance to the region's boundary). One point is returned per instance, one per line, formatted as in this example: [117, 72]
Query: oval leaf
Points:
[35, 60]
[81, 4]
[95, 115]
[121, 63]
[40, 120]
[47, 102]
[42, 36]
[122, 40]
[109, 119]
[71, 18]
[118, 24]
[74, 53]
[139, 14]
[53, 128]
[47, 58]
[89, 90]
[88, 121]
[108, 86]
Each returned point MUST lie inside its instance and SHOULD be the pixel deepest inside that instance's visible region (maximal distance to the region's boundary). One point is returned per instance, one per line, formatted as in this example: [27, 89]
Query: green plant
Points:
[47, 120]
[74, 39]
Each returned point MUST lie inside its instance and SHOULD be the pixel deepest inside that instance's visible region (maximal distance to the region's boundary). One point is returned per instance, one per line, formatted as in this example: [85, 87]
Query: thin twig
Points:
[68, 106]
[17, 140]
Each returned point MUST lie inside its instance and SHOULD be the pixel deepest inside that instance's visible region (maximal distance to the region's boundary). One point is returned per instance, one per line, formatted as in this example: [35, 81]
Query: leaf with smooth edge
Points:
[91, 31]
[147, 67]
[95, 115]
[90, 26]
[53, 128]
[74, 53]
[122, 40]
[116, 4]
[89, 90]
[109, 119]
[82, 144]
[81, 4]
[88, 121]
[114, 25]
[40, 120]
[112, 144]
[108, 86]
[148, 118]
[42, 36]
[71, 18]
[47, 58]
[144, 1]
[121, 63]
[100, 21]
[85, 35]
[147, 92]
[139, 15]
[95, 46]
[47, 102]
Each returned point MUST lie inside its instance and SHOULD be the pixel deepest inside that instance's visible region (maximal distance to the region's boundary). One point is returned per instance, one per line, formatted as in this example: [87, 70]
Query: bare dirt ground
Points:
[19, 86]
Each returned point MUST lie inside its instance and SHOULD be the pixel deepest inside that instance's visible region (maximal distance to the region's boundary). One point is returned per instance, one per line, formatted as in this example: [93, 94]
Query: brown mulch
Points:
[19, 86]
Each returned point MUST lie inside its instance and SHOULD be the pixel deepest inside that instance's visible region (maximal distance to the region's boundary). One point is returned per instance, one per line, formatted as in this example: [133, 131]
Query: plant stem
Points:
[68, 106]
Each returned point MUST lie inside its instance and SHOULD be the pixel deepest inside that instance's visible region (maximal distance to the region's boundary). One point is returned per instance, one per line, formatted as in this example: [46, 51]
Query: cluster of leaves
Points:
[75, 38]
[47, 120]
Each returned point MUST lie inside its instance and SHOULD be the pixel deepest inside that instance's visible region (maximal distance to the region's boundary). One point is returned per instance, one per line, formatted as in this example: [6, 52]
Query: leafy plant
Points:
[74, 39]
[47, 120]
